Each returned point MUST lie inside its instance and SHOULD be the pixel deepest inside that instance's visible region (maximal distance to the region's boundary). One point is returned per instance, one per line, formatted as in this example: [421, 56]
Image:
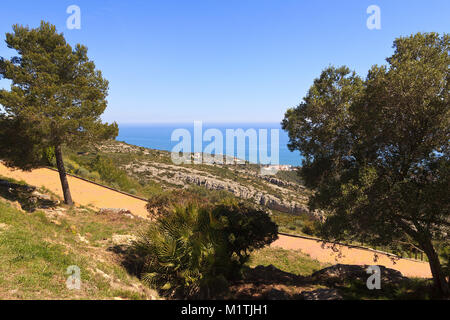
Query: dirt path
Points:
[83, 192]
[89, 194]
[348, 255]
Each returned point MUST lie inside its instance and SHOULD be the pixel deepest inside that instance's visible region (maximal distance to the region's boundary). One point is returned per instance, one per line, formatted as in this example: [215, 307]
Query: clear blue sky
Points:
[228, 60]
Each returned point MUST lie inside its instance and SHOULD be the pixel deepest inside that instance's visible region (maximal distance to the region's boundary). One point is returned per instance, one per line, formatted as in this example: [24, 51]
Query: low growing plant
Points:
[195, 251]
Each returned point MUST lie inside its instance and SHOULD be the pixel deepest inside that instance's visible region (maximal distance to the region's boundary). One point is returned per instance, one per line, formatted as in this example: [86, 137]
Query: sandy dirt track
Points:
[85, 193]
[348, 255]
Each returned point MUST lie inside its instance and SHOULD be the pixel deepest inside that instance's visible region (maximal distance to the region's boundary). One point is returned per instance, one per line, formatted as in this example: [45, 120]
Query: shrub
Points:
[311, 227]
[71, 166]
[179, 255]
[163, 203]
[95, 176]
[111, 174]
[194, 251]
[49, 156]
[245, 228]
[83, 172]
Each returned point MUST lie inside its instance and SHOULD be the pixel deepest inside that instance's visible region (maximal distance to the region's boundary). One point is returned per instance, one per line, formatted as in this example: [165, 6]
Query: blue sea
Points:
[158, 136]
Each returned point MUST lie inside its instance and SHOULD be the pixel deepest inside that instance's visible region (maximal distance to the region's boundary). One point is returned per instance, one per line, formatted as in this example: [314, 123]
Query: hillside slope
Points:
[107, 198]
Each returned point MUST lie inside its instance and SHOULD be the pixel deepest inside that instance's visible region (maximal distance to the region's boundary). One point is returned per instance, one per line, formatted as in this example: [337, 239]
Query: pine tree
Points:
[56, 99]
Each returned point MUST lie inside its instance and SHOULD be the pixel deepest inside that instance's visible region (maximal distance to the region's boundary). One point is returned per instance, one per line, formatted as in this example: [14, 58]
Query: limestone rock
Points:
[123, 239]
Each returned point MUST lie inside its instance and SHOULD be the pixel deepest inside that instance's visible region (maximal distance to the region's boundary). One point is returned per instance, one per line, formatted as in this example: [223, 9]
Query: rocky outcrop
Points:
[247, 193]
[281, 183]
[343, 273]
[180, 176]
[259, 197]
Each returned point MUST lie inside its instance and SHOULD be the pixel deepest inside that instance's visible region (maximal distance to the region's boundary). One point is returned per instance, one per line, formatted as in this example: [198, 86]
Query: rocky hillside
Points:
[243, 181]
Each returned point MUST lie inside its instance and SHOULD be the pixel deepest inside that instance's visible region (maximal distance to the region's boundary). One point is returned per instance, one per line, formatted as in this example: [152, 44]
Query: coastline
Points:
[158, 136]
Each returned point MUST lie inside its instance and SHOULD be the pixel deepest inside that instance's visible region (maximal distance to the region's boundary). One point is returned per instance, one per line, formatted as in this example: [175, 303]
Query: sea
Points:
[159, 136]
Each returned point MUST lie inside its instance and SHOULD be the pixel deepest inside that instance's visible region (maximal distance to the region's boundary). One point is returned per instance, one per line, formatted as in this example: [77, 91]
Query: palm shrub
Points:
[195, 251]
[179, 254]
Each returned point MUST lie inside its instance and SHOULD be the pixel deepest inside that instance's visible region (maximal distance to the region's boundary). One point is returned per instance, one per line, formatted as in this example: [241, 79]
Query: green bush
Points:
[95, 176]
[195, 251]
[180, 255]
[244, 227]
[49, 156]
[111, 174]
[162, 202]
[311, 227]
[83, 172]
[71, 166]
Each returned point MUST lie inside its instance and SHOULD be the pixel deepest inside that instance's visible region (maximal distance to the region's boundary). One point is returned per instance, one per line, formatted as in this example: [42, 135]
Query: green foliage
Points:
[110, 173]
[56, 96]
[21, 143]
[296, 224]
[194, 251]
[292, 261]
[311, 228]
[71, 166]
[246, 228]
[180, 257]
[35, 253]
[444, 253]
[88, 166]
[290, 176]
[163, 202]
[49, 155]
[377, 150]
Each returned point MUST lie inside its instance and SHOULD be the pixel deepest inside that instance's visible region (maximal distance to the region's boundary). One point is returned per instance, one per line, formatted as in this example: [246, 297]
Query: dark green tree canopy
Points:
[56, 98]
[377, 149]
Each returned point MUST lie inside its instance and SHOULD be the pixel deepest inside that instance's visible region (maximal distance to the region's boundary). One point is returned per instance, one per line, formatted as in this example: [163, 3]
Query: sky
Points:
[223, 61]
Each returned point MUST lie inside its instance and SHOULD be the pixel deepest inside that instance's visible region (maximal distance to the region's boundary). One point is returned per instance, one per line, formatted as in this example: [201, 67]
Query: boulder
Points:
[343, 273]
[40, 196]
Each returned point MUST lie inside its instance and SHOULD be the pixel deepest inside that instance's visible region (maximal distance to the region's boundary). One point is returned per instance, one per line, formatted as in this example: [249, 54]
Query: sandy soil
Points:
[88, 194]
[83, 193]
[345, 255]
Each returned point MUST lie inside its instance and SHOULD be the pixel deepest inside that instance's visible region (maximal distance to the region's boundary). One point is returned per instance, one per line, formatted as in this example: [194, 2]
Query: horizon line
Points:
[192, 121]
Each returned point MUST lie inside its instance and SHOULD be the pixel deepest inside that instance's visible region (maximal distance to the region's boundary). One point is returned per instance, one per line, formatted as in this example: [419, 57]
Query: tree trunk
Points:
[63, 176]
[436, 270]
